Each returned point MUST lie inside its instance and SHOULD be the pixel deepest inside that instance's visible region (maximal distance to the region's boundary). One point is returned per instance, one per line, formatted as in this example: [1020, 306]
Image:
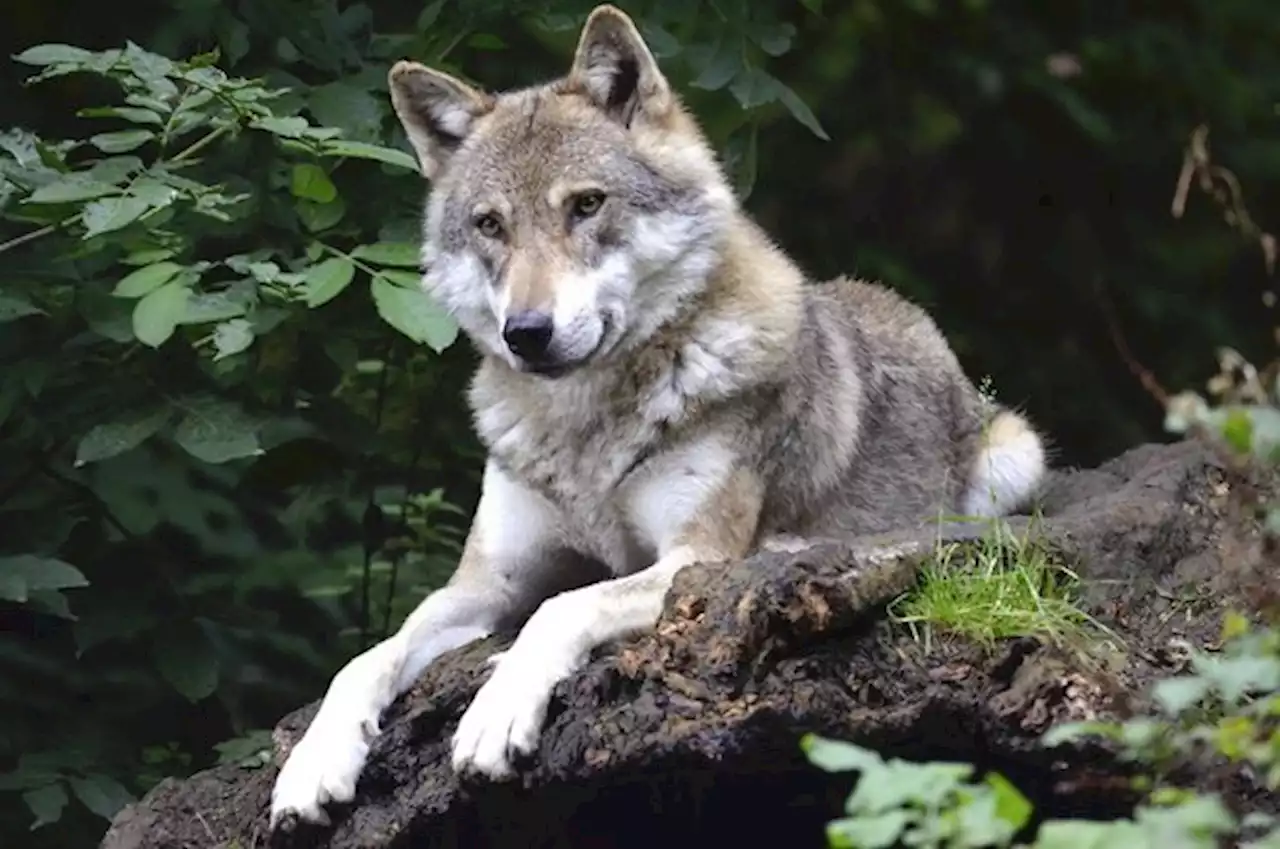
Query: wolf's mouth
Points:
[552, 369]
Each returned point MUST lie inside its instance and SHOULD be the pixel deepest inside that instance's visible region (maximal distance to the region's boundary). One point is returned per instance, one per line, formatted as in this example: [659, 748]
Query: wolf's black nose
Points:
[528, 334]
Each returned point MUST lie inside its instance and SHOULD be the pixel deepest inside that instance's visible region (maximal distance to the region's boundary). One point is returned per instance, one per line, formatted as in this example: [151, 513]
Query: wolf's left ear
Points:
[436, 111]
[614, 67]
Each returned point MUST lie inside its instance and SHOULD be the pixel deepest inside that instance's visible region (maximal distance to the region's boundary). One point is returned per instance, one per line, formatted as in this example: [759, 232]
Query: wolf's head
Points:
[569, 221]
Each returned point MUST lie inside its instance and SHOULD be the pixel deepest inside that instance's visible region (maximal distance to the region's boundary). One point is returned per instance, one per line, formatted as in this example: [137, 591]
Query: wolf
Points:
[659, 385]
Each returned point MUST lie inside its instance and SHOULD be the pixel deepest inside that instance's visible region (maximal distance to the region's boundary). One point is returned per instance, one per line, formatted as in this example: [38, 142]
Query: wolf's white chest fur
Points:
[607, 460]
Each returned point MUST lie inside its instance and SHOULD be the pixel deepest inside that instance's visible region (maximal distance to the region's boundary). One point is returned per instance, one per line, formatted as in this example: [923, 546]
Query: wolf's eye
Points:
[488, 225]
[587, 204]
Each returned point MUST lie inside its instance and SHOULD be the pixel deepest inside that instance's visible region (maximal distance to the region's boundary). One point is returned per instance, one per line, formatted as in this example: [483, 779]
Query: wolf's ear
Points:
[614, 67]
[436, 111]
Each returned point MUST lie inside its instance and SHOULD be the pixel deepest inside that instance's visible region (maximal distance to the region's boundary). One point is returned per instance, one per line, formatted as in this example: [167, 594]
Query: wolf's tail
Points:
[1009, 467]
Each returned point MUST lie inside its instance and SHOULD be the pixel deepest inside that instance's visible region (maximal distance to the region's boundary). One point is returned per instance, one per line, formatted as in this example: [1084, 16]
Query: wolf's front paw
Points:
[323, 767]
[505, 718]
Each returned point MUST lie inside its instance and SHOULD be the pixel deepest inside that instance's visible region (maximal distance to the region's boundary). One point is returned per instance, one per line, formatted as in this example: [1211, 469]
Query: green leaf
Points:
[230, 303]
[46, 804]
[251, 750]
[486, 41]
[662, 43]
[317, 217]
[1176, 695]
[290, 128]
[71, 189]
[121, 141]
[755, 87]
[115, 169]
[145, 280]
[872, 832]
[352, 108]
[110, 439]
[364, 150]
[428, 15]
[154, 192]
[326, 280]
[49, 54]
[1237, 429]
[1234, 677]
[156, 316]
[1071, 732]
[231, 337]
[775, 40]
[23, 574]
[110, 214]
[148, 256]
[53, 603]
[101, 794]
[264, 272]
[1199, 816]
[13, 307]
[900, 783]
[133, 114]
[311, 182]
[413, 312]
[186, 660]
[717, 66]
[402, 254]
[216, 431]
[838, 756]
[1011, 806]
[801, 111]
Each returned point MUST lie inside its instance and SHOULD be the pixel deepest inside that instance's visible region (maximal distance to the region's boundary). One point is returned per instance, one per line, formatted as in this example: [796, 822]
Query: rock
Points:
[688, 736]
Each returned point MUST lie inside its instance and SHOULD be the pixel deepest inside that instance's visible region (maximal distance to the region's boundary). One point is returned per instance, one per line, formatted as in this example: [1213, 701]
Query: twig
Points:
[394, 577]
[371, 545]
[1224, 187]
[1141, 372]
[34, 234]
[205, 823]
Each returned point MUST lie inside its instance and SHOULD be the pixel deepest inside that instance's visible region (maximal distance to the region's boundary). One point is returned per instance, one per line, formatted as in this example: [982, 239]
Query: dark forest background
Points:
[233, 447]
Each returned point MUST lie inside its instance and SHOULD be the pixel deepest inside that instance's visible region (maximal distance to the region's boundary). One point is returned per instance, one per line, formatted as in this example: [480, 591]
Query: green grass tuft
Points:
[996, 588]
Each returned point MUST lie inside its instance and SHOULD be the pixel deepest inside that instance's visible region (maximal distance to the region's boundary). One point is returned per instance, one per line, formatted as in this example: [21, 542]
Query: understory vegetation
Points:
[1226, 710]
[233, 446]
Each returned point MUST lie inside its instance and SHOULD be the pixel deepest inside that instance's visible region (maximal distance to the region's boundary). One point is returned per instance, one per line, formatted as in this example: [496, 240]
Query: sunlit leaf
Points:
[413, 313]
[147, 279]
[311, 182]
[326, 280]
[157, 315]
[401, 254]
[108, 214]
[121, 141]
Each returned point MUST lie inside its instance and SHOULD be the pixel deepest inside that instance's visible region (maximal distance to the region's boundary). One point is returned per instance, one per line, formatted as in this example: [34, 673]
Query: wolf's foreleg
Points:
[708, 513]
[501, 576]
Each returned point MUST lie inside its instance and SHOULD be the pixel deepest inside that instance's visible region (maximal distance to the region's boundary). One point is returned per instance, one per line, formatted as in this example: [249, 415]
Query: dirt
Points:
[688, 736]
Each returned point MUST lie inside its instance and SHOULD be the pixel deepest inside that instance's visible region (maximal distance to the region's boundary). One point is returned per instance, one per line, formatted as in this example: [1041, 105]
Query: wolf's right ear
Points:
[614, 67]
[436, 111]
